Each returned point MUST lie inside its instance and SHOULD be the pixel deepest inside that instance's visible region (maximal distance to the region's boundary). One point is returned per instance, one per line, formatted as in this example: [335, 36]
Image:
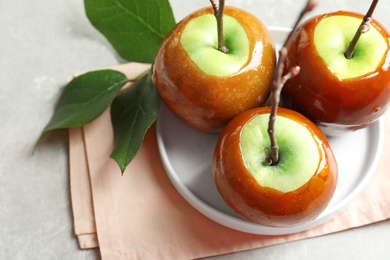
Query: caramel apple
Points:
[206, 86]
[294, 190]
[337, 92]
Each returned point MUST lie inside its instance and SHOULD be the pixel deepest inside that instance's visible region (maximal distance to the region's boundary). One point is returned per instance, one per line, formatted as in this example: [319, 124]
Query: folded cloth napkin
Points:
[140, 215]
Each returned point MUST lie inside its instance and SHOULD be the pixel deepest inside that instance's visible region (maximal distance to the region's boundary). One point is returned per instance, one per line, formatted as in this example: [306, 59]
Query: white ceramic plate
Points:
[187, 155]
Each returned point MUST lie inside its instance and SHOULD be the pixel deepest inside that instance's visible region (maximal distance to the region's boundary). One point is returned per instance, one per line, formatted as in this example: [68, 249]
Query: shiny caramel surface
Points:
[205, 102]
[268, 206]
[334, 104]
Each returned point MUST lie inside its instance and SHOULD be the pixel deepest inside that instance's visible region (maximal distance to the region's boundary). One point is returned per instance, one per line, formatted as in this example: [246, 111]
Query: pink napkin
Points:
[140, 215]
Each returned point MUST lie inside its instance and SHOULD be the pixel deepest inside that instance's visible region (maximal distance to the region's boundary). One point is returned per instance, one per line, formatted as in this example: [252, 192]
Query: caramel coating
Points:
[337, 106]
[267, 206]
[204, 102]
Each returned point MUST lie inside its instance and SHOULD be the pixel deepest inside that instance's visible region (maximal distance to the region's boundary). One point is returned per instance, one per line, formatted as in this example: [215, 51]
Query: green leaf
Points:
[132, 113]
[85, 98]
[134, 28]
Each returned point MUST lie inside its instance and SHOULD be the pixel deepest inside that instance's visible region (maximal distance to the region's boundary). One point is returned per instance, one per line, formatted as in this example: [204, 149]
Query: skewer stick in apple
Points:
[218, 13]
[278, 84]
[363, 28]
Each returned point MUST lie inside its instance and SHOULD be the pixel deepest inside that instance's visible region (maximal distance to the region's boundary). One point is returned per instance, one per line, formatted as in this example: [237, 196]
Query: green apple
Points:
[280, 177]
[339, 94]
[293, 191]
[204, 52]
[206, 87]
[369, 51]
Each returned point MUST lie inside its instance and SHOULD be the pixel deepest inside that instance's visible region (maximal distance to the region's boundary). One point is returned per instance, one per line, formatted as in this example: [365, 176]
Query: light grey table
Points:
[42, 43]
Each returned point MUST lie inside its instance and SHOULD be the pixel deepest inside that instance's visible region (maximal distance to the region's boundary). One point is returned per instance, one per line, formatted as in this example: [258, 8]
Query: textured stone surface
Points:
[44, 42]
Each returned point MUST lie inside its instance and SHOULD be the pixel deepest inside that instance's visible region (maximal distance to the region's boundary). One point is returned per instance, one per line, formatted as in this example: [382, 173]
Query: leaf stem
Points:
[277, 86]
[363, 28]
[218, 13]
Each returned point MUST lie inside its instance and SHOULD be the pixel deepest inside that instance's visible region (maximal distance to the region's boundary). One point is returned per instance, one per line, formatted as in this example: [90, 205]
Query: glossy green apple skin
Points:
[204, 100]
[266, 205]
[337, 105]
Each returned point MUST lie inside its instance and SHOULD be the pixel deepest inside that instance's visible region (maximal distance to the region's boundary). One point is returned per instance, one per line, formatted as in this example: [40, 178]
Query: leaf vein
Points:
[143, 22]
